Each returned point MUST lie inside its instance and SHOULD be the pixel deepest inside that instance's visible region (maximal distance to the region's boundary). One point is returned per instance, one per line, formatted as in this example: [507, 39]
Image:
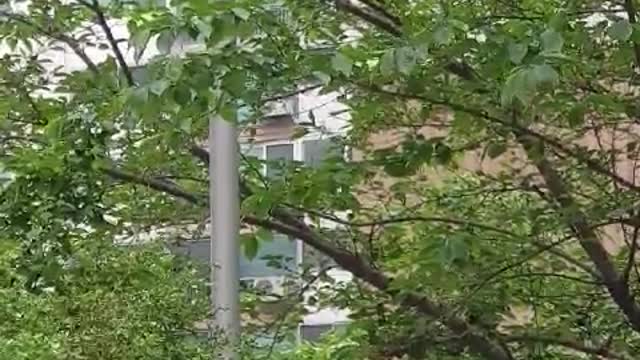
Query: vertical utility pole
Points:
[224, 200]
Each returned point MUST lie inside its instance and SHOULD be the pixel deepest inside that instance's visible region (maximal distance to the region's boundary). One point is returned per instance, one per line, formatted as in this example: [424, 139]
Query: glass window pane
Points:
[253, 150]
[140, 3]
[275, 257]
[252, 160]
[313, 333]
[278, 153]
[316, 151]
[151, 3]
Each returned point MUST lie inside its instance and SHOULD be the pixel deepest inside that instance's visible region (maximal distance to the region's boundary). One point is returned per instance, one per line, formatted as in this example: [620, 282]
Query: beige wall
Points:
[513, 160]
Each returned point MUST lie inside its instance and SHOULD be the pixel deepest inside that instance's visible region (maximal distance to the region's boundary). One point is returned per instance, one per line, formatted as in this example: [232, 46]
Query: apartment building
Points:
[272, 139]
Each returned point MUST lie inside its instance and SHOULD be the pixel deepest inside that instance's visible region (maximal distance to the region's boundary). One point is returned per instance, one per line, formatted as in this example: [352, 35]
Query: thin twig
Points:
[550, 274]
[290, 93]
[630, 8]
[102, 22]
[632, 255]
[575, 154]
[299, 294]
[569, 344]
[55, 35]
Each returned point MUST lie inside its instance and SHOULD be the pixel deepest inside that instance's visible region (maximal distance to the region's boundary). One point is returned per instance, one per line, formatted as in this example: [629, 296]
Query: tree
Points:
[502, 264]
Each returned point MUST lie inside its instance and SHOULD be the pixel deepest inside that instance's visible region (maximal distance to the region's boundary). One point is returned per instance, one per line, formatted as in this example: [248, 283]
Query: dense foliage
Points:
[498, 222]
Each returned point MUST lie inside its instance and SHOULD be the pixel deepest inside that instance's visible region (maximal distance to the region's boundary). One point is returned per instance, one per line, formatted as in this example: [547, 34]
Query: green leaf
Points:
[405, 59]
[455, 249]
[140, 95]
[387, 62]
[185, 124]
[235, 82]
[204, 27]
[496, 149]
[165, 41]
[140, 40]
[517, 52]
[517, 86]
[558, 21]
[576, 115]
[421, 52]
[299, 132]
[323, 77]
[552, 41]
[544, 74]
[621, 30]
[635, 35]
[342, 63]
[250, 246]
[525, 81]
[229, 112]
[264, 235]
[258, 204]
[442, 35]
[443, 153]
[182, 95]
[399, 167]
[241, 13]
[158, 87]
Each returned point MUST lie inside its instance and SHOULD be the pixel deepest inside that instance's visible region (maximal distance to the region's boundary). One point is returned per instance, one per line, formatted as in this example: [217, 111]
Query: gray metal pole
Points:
[225, 217]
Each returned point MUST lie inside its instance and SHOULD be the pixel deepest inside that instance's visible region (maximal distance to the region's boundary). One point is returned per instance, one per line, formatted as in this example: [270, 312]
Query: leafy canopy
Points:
[529, 254]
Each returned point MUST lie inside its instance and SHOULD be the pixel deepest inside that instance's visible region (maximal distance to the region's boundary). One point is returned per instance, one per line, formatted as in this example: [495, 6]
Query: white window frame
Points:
[298, 155]
[333, 326]
[298, 146]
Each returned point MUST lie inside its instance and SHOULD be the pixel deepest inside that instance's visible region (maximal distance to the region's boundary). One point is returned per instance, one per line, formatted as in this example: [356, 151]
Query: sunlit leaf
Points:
[342, 63]
[241, 13]
[387, 62]
[405, 59]
[517, 52]
[621, 30]
[165, 41]
[552, 41]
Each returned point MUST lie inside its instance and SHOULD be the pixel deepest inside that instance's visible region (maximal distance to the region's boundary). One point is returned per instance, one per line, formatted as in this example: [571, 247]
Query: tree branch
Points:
[102, 22]
[630, 9]
[551, 274]
[575, 154]
[478, 342]
[588, 238]
[380, 18]
[537, 243]
[155, 184]
[289, 225]
[602, 351]
[55, 35]
[632, 254]
[371, 15]
[291, 93]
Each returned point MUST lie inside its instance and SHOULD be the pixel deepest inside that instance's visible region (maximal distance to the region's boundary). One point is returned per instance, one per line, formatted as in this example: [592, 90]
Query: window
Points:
[276, 157]
[310, 151]
[314, 333]
[279, 12]
[147, 3]
[316, 151]
[274, 258]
